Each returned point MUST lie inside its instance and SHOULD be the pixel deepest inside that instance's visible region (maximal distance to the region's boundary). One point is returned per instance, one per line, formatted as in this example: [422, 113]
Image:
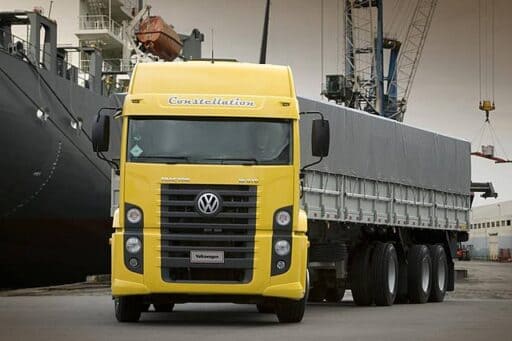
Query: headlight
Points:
[282, 247]
[283, 218]
[134, 215]
[133, 245]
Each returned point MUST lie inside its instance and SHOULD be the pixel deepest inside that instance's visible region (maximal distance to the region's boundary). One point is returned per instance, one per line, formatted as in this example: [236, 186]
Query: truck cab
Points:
[209, 204]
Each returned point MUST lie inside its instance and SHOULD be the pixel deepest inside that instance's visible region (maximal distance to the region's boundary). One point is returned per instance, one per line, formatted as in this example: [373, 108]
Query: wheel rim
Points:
[391, 276]
[441, 274]
[425, 274]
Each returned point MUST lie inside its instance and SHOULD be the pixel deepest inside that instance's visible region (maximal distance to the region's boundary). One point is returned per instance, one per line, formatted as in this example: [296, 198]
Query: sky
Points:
[445, 93]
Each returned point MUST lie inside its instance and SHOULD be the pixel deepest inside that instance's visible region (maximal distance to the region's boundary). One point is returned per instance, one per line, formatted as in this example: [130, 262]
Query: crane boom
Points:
[412, 48]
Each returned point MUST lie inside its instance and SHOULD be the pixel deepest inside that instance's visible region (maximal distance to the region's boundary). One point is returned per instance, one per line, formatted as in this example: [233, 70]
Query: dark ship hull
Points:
[54, 191]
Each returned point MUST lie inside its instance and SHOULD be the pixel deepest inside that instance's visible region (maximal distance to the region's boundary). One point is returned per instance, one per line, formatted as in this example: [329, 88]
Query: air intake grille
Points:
[227, 236]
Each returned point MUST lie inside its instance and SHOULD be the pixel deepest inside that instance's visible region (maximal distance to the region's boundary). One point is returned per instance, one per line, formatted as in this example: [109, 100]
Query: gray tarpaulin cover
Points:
[371, 147]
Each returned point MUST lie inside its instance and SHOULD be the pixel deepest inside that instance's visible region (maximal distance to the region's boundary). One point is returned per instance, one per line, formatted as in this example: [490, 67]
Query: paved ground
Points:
[485, 280]
[71, 313]
[91, 318]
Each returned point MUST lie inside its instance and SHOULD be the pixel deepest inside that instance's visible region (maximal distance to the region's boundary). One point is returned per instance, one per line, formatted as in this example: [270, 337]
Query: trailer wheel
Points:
[439, 273]
[265, 308]
[128, 308]
[419, 274]
[163, 307]
[360, 278]
[385, 274]
[292, 311]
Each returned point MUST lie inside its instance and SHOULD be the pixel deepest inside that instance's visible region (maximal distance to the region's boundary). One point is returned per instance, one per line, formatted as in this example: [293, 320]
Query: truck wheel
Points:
[419, 274]
[291, 311]
[127, 308]
[163, 307]
[265, 308]
[360, 278]
[439, 273]
[385, 274]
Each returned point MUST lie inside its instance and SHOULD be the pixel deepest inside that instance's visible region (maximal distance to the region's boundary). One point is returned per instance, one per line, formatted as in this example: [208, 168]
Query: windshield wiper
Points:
[165, 159]
[234, 161]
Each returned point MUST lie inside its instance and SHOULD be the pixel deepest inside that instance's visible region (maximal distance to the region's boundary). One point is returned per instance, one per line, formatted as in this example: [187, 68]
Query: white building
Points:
[491, 230]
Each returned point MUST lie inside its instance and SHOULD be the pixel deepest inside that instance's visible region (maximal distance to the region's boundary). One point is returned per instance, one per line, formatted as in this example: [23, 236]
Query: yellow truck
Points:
[209, 189]
[227, 196]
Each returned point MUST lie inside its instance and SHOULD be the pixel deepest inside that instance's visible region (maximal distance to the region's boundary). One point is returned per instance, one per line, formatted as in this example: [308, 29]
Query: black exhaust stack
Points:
[263, 51]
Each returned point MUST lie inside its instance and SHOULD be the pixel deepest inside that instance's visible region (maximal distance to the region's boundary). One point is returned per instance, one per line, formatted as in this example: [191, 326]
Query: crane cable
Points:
[486, 70]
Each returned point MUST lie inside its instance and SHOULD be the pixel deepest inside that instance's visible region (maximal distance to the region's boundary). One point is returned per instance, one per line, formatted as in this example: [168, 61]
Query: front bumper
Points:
[290, 285]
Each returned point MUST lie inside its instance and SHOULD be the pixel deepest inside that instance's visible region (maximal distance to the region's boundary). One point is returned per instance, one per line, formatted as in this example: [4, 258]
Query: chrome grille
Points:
[230, 231]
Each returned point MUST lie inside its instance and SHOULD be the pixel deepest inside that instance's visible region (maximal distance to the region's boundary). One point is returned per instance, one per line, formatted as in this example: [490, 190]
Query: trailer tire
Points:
[163, 307]
[127, 308]
[266, 308]
[419, 270]
[439, 273]
[292, 311]
[384, 270]
[360, 278]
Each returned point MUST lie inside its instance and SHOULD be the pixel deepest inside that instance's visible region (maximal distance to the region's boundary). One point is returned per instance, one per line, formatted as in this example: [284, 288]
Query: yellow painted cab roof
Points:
[206, 88]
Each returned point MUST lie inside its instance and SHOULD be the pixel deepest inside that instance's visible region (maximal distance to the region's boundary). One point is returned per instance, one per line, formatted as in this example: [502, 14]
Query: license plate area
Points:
[206, 257]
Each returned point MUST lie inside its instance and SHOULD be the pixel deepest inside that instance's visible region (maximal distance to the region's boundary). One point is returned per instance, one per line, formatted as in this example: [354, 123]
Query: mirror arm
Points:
[311, 164]
[116, 109]
[111, 163]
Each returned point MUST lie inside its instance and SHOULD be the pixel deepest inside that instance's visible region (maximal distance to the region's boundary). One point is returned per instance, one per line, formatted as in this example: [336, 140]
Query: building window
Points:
[498, 223]
[492, 223]
[508, 222]
[488, 224]
[503, 223]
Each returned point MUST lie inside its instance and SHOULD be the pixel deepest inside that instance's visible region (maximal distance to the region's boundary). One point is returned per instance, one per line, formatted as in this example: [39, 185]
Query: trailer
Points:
[384, 184]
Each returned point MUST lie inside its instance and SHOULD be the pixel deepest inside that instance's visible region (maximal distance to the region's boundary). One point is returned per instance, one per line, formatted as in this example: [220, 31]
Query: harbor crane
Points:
[367, 84]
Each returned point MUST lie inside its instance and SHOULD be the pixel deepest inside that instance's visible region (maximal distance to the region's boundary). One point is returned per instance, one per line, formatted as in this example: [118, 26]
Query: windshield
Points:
[209, 140]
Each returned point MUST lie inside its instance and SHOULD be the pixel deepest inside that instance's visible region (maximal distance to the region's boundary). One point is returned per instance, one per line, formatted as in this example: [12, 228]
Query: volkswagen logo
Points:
[208, 203]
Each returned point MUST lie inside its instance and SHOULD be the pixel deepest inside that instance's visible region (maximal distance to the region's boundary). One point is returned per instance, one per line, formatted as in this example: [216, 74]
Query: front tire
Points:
[439, 273]
[419, 274]
[128, 308]
[291, 311]
[385, 271]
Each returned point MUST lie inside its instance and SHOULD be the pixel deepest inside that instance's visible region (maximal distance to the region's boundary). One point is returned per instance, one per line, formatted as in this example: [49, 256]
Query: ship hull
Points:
[54, 191]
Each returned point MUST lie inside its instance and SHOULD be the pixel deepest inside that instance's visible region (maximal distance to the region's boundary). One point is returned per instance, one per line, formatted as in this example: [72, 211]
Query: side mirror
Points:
[101, 134]
[320, 138]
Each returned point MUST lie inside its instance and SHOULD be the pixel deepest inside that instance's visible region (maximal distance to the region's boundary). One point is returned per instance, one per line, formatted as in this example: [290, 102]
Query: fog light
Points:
[134, 262]
[134, 215]
[133, 245]
[282, 247]
[281, 264]
[283, 218]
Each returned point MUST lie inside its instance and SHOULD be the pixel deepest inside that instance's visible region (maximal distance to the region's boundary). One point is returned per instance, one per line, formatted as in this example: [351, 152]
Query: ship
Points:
[55, 193]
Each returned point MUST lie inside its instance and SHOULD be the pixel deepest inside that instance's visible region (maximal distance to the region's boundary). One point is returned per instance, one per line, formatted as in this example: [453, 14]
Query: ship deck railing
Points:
[22, 47]
[101, 23]
[111, 65]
